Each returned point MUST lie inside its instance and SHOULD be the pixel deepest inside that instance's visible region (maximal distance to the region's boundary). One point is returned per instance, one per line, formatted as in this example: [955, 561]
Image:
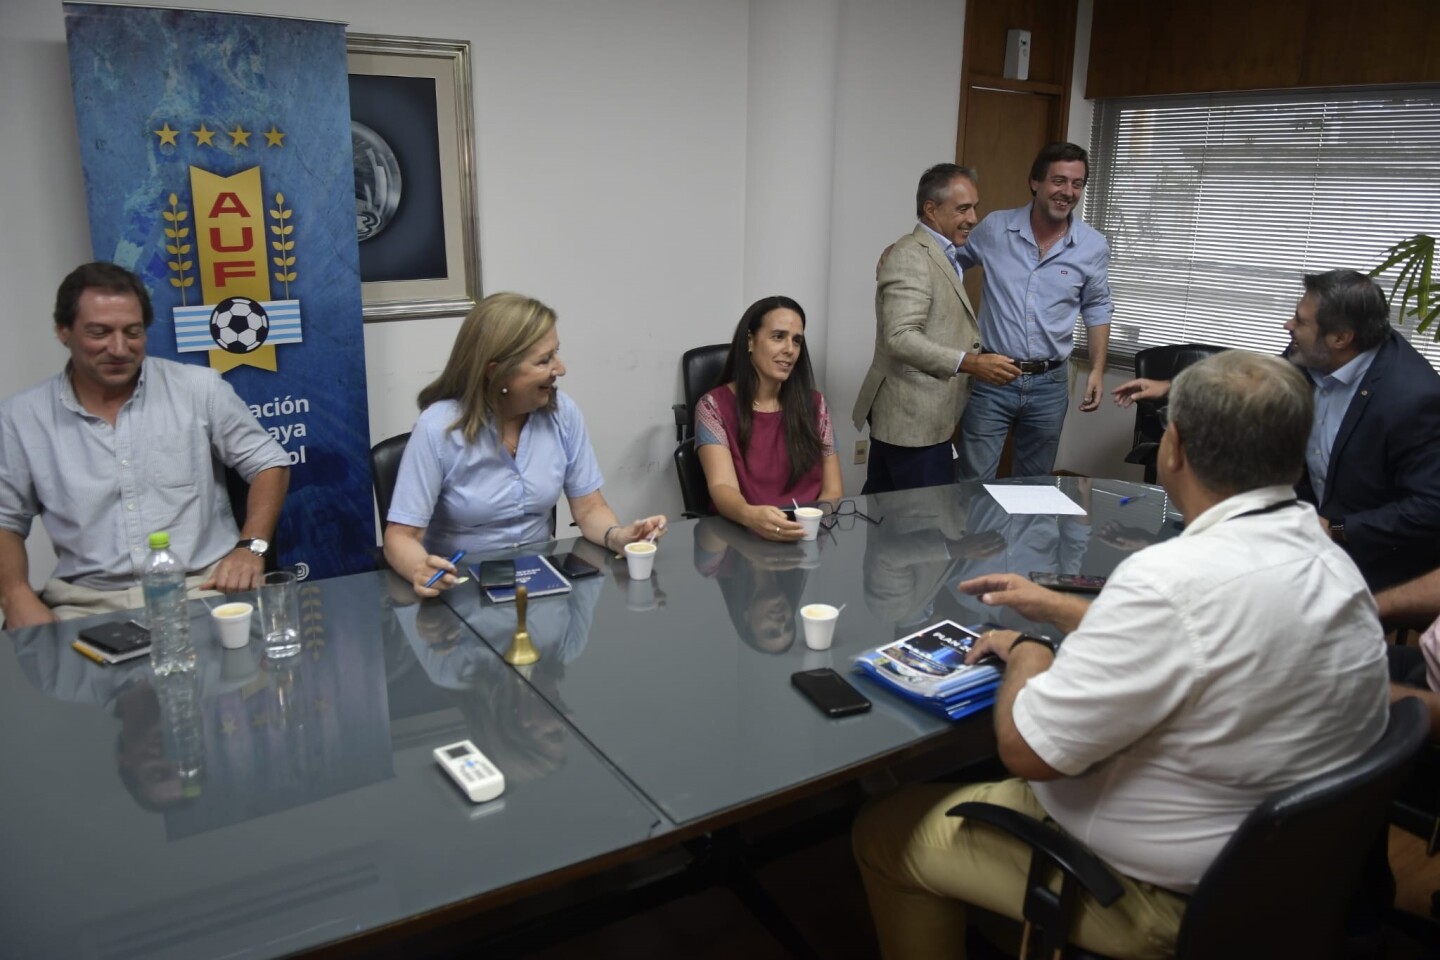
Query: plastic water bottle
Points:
[165, 606]
[182, 731]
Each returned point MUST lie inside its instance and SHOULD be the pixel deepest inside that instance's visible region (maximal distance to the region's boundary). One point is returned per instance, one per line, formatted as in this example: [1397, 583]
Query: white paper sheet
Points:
[1026, 499]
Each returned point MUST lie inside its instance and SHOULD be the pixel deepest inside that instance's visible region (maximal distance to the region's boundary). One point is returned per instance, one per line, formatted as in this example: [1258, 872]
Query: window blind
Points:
[1215, 205]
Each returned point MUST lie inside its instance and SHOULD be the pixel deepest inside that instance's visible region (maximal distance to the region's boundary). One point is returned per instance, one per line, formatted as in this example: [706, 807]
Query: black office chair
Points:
[700, 370]
[694, 491]
[384, 468]
[1159, 363]
[1281, 887]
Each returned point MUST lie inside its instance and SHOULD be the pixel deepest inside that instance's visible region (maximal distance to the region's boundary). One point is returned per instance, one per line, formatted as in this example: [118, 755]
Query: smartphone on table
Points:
[829, 692]
[571, 566]
[1069, 582]
[496, 573]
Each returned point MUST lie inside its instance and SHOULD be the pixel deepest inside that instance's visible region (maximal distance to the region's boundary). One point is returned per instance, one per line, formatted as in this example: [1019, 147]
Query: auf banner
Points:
[218, 167]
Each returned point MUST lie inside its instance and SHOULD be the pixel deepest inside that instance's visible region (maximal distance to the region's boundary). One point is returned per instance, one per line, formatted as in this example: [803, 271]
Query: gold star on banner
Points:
[239, 137]
[203, 137]
[167, 135]
[273, 137]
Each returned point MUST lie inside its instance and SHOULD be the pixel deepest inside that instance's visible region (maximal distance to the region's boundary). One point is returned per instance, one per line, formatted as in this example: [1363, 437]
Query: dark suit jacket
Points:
[1383, 481]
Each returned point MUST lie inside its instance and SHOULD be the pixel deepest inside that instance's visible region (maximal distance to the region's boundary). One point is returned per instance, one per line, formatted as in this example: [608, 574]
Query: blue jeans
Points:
[1035, 404]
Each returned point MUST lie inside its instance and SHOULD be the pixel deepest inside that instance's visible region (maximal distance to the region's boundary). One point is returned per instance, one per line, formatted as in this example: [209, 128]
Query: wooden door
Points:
[1004, 122]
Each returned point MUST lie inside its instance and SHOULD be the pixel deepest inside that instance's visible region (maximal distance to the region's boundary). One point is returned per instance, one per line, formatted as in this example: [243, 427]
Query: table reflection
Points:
[761, 581]
[514, 728]
[243, 736]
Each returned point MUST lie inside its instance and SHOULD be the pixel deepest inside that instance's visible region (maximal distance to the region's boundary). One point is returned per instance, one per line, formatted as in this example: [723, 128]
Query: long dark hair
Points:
[797, 393]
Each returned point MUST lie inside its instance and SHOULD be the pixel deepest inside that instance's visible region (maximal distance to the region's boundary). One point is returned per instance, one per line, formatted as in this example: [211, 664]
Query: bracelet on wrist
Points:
[605, 540]
[1045, 642]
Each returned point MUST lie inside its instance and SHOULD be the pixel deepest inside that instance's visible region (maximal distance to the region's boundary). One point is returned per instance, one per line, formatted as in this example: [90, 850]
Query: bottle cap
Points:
[159, 540]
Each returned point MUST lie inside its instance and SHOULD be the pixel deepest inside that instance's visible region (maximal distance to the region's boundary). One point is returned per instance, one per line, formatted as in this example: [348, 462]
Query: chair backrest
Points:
[694, 492]
[1162, 363]
[1284, 882]
[700, 369]
[384, 468]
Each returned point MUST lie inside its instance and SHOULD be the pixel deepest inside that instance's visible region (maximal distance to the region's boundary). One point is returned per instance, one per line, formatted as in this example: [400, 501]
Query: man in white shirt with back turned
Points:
[1234, 661]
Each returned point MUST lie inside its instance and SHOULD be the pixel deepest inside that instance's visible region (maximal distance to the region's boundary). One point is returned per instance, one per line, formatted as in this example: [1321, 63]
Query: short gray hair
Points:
[935, 183]
[1244, 420]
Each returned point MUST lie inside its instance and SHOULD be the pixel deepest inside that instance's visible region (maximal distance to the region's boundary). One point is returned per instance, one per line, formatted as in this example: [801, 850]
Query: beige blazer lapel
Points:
[937, 256]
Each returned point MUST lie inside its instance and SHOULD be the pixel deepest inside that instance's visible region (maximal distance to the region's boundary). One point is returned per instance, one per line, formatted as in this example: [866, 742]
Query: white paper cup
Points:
[809, 518]
[819, 621]
[640, 558]
[232, 622]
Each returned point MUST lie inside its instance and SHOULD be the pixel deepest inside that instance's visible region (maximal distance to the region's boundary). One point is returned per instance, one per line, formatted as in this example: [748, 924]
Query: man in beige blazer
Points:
[927, 345]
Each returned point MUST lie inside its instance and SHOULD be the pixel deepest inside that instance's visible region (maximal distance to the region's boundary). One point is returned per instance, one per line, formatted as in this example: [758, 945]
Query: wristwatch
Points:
[1052, 645]
[1337, 531]
[256, 546]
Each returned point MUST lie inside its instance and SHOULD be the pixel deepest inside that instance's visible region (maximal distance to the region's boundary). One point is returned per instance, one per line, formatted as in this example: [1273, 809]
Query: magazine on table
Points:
[928, 667]
[534, 573]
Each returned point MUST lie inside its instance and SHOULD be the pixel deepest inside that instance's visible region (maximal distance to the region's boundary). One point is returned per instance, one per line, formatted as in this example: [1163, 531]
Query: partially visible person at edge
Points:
[764, 435]
[1372, 466]
[495, 446]
[119, 445]
[1183, 695]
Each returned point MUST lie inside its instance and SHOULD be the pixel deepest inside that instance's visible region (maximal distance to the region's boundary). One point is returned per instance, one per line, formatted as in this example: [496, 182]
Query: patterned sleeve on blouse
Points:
[709, 427]
[827, 429]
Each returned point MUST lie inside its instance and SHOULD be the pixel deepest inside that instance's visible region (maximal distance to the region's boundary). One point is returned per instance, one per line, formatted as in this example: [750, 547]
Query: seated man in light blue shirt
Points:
[118, 446]
[1043, 268]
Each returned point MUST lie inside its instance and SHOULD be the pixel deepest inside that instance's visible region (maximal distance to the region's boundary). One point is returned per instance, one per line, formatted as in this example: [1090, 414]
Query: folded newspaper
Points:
[928, 668]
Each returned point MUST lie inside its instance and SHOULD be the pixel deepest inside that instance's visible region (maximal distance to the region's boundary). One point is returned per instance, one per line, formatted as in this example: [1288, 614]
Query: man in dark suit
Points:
[1373, 461]
[1374, 457]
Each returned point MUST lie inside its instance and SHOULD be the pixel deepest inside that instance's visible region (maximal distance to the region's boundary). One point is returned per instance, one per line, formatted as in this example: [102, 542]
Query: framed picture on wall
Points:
[414, 145]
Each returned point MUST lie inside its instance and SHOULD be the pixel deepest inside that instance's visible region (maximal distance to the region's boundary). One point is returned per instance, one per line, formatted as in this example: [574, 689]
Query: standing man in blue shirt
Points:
[1043, 267]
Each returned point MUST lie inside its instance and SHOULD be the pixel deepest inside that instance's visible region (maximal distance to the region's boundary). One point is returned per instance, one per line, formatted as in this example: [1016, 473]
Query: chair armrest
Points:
[1072, 858]
[682, 421]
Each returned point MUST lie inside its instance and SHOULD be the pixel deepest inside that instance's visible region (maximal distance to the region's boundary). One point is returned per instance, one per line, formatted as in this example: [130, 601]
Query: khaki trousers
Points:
[68, 601]
[921, 868]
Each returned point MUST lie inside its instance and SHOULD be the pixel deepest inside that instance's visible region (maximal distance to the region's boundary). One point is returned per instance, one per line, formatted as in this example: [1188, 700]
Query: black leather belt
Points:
[1037, 366]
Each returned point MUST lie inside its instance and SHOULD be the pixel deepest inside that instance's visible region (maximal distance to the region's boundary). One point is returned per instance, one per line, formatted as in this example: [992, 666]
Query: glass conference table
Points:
[269, 807]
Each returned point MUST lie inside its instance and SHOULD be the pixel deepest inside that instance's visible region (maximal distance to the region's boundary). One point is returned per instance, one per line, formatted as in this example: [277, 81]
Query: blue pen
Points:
[1124, 499]
[459, 555]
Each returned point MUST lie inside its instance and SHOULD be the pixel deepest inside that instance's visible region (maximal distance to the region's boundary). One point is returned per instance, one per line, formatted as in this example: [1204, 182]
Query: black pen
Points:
[459, 555]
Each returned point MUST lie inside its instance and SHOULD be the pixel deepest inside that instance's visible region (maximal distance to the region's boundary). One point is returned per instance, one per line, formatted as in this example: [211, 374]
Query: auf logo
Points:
[236, 320]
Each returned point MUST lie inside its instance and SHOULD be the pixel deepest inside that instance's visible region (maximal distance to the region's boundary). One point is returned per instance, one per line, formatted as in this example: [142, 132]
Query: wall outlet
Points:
[862, 451]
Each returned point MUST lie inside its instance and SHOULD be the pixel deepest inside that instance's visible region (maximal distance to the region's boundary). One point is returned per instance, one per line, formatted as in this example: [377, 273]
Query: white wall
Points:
[647, 167]
[897, 112]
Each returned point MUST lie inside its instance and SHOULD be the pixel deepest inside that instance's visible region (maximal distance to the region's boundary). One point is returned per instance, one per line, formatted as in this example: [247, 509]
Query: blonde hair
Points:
[501, 329]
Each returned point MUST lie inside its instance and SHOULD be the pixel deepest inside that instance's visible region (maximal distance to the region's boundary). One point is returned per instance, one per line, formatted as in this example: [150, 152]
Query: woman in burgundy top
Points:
[764, 436]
